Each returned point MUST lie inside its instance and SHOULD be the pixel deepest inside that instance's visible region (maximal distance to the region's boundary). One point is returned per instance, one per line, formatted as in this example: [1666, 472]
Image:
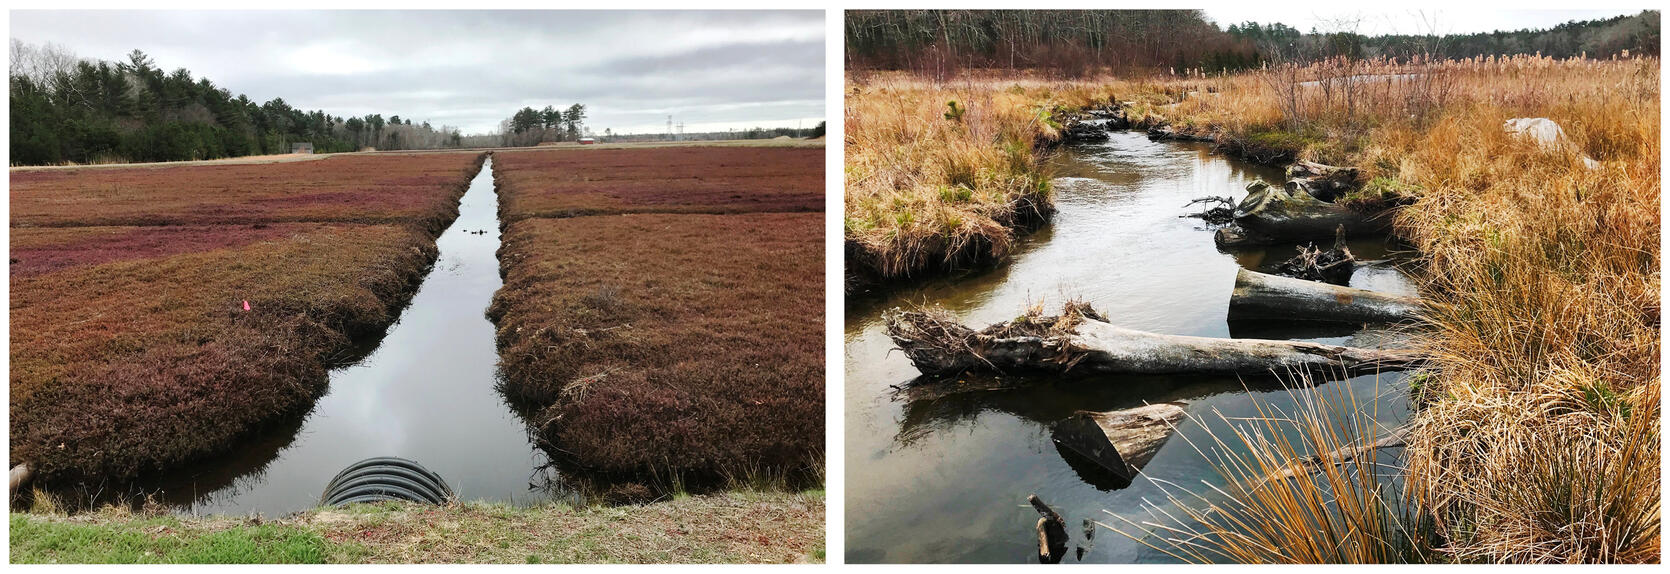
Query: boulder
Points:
[1548, 136]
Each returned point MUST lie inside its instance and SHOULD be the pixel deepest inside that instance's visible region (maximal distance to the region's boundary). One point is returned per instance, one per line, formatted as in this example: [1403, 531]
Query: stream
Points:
[426, 392]
[945, 477]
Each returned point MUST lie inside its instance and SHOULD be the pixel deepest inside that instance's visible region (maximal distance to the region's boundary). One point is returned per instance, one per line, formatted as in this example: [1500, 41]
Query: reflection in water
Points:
[940, 472]
[426, 393]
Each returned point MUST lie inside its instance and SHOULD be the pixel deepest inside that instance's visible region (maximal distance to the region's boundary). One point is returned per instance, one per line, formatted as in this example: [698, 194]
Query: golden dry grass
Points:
[1540, 439]
[1347, 511]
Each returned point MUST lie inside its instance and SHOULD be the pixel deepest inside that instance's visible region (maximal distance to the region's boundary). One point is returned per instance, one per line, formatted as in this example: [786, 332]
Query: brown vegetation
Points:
[665, 346]
[131, 349]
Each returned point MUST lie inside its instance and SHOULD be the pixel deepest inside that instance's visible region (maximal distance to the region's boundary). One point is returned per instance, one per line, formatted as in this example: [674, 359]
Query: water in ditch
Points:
[944, 477]
[426, 392]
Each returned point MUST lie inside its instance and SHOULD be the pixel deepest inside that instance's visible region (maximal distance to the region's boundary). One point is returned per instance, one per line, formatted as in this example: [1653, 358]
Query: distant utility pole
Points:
[669, 126]
[681, 131]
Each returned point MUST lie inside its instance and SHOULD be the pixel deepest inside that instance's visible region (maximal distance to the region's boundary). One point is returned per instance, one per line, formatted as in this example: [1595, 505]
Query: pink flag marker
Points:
[246, 304]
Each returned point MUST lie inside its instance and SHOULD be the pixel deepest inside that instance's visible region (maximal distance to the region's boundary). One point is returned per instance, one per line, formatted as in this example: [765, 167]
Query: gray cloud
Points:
[713, 70]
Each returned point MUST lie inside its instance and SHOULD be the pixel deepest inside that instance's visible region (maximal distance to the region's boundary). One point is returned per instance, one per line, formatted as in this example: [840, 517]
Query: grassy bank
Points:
[940, 177]
[661, 320]
[1538, 440]
[132, 351]
[740, 526]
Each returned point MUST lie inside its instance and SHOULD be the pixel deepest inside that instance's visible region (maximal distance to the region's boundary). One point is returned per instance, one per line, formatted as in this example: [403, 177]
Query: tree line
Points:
[1604, 38]
[529, 126]
[941, 43]
[1067, 42]
[69, 109]
[755, 133]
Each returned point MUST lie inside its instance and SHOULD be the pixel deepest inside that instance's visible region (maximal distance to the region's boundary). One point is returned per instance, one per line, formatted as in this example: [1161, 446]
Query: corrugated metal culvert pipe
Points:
[386, 478]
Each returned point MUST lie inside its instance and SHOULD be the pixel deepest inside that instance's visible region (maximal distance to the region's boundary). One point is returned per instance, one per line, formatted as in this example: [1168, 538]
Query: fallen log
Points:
[1343, 455]
[1052, 532]
[1263, 296]
[1271, 214]
[1082, 341]
[1120, 442]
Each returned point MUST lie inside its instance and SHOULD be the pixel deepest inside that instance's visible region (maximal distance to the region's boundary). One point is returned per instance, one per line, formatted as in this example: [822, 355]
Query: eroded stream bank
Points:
[944, 476]
[425, 392]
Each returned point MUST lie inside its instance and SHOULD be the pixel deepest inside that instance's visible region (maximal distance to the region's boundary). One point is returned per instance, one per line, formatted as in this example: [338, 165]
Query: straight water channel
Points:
[427, 393]
[944, 477]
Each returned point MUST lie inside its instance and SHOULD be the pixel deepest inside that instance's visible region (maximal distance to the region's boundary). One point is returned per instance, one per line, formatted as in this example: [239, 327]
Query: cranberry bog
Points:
[420, 188]
[661, 321]
[161, 315]
[707, 179]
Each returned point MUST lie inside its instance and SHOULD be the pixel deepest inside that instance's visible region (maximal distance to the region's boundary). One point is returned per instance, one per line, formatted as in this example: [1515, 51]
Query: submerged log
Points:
[1271, 214]
[1343, 455]
[1120, 442]
[1084, 342]
[1262, 296]
[1052, 532]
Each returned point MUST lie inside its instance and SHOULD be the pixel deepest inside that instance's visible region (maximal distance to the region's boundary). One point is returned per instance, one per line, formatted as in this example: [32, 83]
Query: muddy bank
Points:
[869, 271]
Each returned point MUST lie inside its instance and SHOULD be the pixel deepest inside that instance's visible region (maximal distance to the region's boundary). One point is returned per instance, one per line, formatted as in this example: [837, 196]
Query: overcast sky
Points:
[1460, 20]
[710, 70]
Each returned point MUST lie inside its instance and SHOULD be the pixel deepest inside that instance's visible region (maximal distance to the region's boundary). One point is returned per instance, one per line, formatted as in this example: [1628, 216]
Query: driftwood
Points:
[1052, 532]
[1094, 125]
[1082, 341]
[1324, 182]
[1271, 214]
[1312, 264]
[1310, 464]
[1262, 296]
[1120, 442]
[1214, 209]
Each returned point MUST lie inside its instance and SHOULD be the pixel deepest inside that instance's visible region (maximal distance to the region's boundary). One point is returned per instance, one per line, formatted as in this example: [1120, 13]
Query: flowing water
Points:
[943, 477]
[425, 393]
